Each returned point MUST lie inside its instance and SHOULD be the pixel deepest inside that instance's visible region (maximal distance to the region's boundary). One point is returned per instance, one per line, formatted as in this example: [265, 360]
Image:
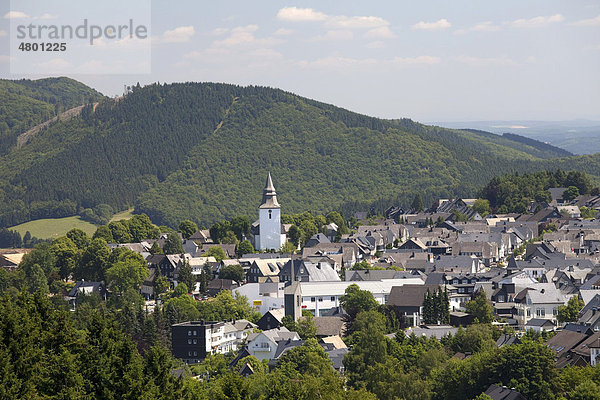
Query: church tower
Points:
[269, 218]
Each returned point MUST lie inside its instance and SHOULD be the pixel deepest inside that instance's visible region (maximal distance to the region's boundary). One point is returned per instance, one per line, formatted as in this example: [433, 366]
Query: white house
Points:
[263, 345]
[263, 297]
[540, 300]
[320, 297]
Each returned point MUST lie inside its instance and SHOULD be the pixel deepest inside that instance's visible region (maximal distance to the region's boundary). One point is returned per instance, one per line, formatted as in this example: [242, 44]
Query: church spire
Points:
[269, 195]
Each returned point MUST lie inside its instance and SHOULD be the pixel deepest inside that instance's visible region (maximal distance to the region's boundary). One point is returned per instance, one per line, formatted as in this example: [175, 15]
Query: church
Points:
[268, 233]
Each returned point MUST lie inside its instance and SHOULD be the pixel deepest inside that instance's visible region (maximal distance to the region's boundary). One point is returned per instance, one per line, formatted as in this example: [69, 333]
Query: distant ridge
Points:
[200, 151]
[536, 143]
[535, 147]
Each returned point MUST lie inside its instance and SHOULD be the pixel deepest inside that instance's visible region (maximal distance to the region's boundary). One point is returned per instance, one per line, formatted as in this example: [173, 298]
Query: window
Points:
[555, 311]
[312, 299]
[332, 298]
[195, 333]
[195, 353]
[189, 341]
[540, 312]
[320, 299]
[298, 301]
[189, 353]
[528, 312]
[195, 341]
[270, 212]
[189, 333]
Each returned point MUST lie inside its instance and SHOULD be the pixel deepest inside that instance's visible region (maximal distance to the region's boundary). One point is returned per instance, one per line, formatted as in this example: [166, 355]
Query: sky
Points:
[460, 60]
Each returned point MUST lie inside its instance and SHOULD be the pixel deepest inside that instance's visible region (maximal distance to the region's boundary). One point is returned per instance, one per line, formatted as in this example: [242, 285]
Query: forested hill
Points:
[202, 151]
[25, 103]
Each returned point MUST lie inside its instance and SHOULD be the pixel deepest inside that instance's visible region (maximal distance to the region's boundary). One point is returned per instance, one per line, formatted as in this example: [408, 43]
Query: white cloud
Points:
[437, 25]
[300, 14]
[46, 16]
[15, 15]
[377, 44]
[588, 22]
[335, 35]
[283, 32]
[343, 21]
[2, 33]
[55, 64]
[238, 35]
[180, 34]
[295, 14]
[487, 26]
[383, 32]
[338, 62]
[219, 31]
[536, 22]
[486, 61]
[426, 60]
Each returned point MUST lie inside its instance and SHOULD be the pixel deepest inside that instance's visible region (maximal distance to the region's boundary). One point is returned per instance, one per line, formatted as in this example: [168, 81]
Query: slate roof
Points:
[540, 322]
[503, 393]
[564, 341]
[329, 326]
[507, 340]
[269, 195]
[409, 295]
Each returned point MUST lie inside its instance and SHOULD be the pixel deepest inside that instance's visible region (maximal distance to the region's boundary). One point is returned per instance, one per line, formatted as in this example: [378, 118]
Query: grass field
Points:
[54, 227]
[122, 215]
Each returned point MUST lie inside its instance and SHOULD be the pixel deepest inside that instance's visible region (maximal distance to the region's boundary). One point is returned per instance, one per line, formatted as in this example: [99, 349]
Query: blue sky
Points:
[430, 60]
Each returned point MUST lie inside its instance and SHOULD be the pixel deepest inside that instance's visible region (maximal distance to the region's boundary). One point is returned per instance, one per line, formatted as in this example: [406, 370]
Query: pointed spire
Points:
[269, 185]
[269, 195]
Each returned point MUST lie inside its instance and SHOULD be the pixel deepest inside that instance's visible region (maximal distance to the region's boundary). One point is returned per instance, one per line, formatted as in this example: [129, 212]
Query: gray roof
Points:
[269, 195]
[329, 326]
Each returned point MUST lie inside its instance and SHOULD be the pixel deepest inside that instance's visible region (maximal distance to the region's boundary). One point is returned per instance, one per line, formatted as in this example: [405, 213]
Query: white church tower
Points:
[269, 218]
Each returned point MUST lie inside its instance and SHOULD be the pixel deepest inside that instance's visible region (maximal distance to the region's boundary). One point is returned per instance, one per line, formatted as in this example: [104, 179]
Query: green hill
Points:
[25, 103]
[202, 151]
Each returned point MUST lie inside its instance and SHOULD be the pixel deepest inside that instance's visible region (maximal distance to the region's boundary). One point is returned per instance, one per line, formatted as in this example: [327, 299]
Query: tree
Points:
[288, 247]
[185, 275]
[480, 308]
[128, 272]
[245, 247]
[173, 244]
[308, 229]
[436, 307]
[570, 312]
[161, 285]
[482, 206]
[94, 261]
[180, 290]
[155, 248]
[37, 280]
[369, 347]
[571, 193]
[309, 358]
[79, 237]
[105, 233]
[356, 300]
[240, 226]
[67, 255]
[233, 272]
[305, 327]
[217, 252]
[187, 228]
[295, 234]
[337, 219]
[417, 203]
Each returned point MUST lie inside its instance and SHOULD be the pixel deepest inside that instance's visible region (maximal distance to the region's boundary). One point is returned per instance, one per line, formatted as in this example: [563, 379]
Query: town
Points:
[436, 273]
